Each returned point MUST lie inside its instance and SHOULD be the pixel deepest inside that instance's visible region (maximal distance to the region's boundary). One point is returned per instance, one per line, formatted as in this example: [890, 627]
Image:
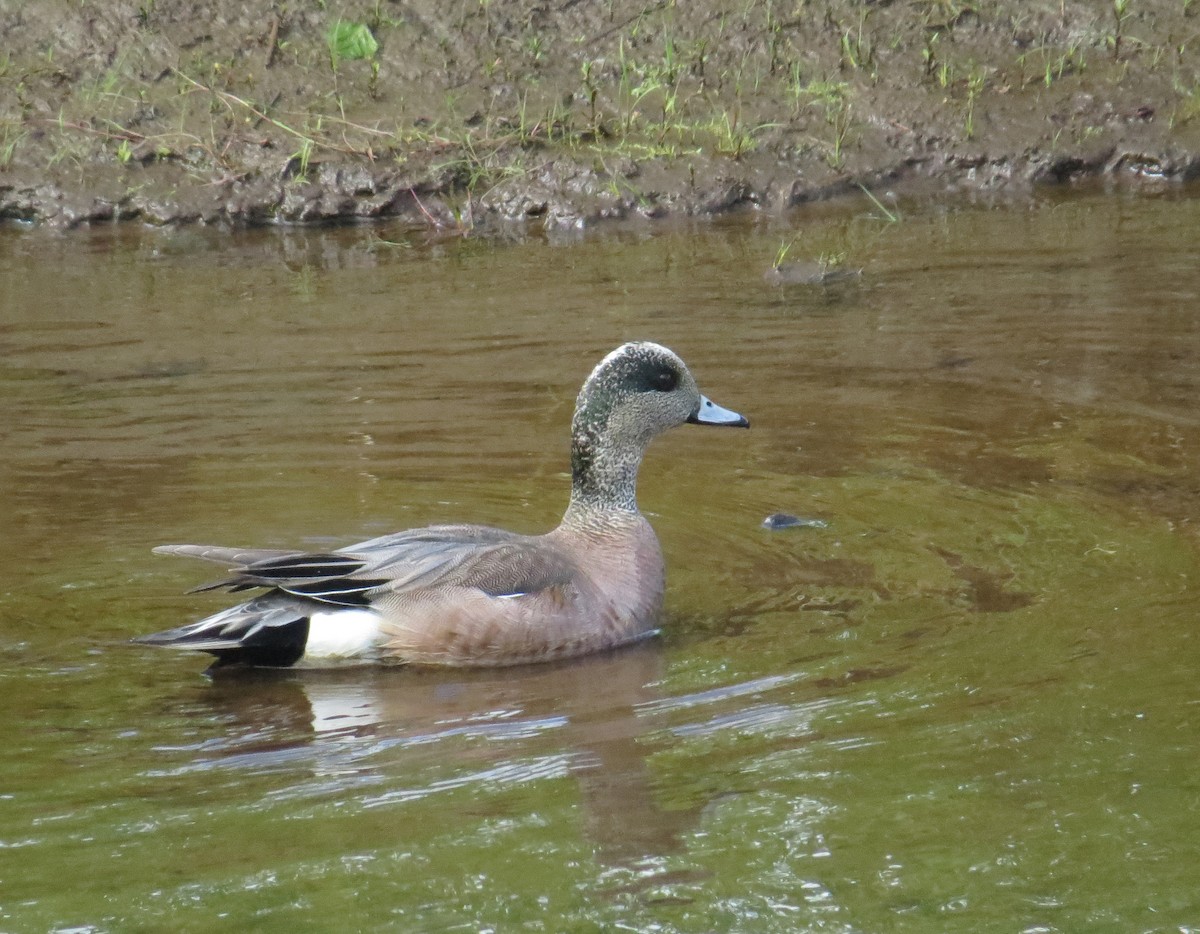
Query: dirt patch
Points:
[464, 114]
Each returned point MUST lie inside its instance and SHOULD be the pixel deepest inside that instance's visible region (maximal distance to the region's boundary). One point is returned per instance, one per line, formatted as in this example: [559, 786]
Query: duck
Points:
[473, 595]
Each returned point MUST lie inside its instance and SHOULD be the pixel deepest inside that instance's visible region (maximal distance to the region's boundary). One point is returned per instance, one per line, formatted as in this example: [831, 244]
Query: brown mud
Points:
[468, 113]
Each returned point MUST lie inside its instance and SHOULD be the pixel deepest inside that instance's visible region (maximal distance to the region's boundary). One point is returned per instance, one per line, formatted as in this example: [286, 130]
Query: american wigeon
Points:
[468, 594]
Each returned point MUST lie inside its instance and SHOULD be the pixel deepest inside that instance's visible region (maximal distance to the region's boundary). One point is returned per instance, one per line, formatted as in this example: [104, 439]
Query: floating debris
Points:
[783, 520]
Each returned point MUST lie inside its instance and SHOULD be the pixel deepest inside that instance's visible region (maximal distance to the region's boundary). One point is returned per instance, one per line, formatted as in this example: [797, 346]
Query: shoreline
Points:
[457, 119]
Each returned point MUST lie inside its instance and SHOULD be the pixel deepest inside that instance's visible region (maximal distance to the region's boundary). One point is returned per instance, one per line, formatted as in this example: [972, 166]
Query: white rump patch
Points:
[341, 635]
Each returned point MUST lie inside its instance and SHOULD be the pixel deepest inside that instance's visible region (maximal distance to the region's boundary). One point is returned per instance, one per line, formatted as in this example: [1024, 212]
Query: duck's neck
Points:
[603, 475]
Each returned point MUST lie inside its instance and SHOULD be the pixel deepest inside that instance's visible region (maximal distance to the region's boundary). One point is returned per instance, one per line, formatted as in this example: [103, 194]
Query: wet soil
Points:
[467, 114]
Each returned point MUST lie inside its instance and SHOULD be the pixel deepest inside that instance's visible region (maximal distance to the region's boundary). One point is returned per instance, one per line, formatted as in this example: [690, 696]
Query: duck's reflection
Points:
[593, 718]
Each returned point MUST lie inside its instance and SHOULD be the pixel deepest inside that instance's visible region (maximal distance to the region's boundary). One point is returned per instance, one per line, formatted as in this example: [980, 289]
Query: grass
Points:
[976, 82]
[1120, 11]
[730, 139]
[650, 81]
[857, 45]
[1188, 107]
[1051, 62]
[831, 101]
[11, 136]
[650, 101]
[892, 217]
[826, 260]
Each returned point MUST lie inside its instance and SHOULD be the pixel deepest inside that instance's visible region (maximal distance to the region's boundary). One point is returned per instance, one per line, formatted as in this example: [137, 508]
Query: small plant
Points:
[591, 91]
[856, 47]
[796, 86]
[929, 53]
[774, 29]
[350, 42]
[1069, 61]
[732, 139]
[1054, 63]
[124, 152]
[9, 140]
[839, 121]
[781, 255]
[699, 56]
[1188, 108]
[303, 156]
[975, 84]
[1120, 10]
[827, 261]
[832, 97]
[945, 12]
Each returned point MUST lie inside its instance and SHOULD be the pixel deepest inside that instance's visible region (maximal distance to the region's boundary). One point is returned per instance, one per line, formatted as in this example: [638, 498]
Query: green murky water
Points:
[969, 703]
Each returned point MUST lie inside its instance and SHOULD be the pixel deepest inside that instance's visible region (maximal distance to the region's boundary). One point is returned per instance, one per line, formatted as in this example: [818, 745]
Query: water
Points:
[968, 702]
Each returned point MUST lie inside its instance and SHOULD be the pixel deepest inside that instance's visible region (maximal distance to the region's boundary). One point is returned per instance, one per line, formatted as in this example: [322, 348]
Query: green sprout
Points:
[350, 42]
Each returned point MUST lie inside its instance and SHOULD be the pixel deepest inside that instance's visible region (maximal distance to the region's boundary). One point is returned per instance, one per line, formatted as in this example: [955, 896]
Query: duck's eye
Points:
[664, 380]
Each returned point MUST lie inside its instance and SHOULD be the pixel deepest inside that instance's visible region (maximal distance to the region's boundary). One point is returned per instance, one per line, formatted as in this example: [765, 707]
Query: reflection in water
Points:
[597, 717]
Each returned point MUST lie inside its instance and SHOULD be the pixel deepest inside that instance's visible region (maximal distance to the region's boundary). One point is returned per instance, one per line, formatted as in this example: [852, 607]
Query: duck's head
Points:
[638, 391]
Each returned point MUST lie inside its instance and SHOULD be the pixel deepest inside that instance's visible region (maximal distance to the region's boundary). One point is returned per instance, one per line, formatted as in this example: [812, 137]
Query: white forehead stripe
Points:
[609, 358]
[632, 347]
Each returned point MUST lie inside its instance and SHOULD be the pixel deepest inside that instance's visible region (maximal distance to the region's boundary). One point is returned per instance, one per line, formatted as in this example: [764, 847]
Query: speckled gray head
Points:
[638, 391]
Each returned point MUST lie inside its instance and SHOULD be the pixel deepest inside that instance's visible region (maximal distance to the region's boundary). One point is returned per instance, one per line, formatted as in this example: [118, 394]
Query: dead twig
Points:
[272, 40]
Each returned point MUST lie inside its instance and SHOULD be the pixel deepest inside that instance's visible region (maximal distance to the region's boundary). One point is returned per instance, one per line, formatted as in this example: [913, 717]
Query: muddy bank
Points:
[565, 113]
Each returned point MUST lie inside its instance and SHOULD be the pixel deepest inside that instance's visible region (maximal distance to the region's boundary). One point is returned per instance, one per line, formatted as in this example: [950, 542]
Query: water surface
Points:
[967, 703]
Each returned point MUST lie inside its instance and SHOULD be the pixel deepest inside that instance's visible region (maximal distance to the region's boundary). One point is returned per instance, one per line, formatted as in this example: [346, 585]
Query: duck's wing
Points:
[231, 557]
[263, 567]
[494, 561]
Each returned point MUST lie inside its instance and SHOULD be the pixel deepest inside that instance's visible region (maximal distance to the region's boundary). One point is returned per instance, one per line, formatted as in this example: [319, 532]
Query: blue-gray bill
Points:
[709, 413]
